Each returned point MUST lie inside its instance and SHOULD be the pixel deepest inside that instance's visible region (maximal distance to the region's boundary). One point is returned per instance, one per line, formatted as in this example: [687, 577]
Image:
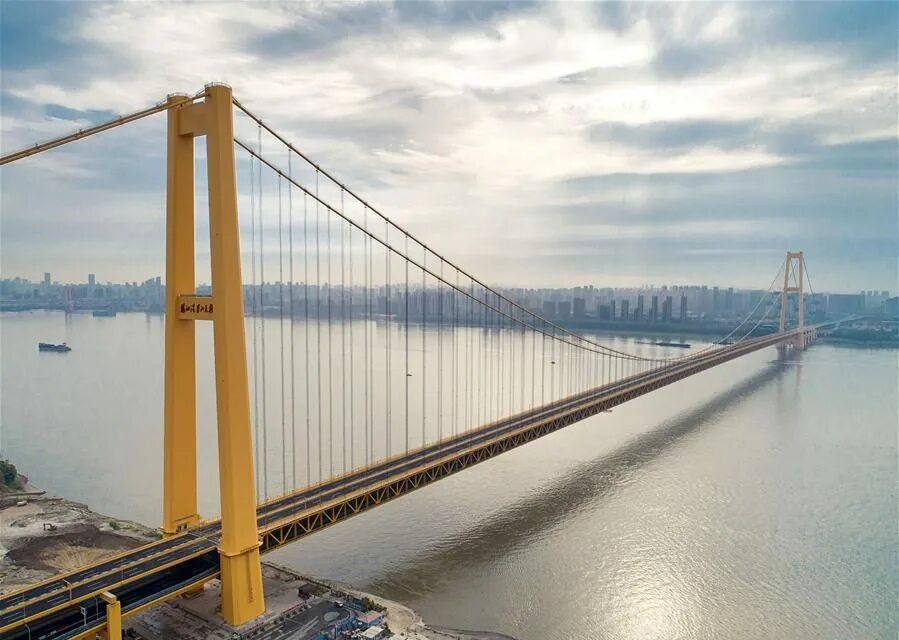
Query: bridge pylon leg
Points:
[798, 272]
[113, 630]
[179, 509]
[242, 597]
[800, 337]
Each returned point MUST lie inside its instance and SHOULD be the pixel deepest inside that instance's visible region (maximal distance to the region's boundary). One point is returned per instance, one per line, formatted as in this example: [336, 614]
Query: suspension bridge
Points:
[353, 364]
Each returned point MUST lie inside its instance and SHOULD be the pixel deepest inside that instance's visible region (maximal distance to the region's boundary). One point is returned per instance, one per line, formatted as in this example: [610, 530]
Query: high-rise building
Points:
[565, 309]
[625, 304]
[580, 308]
[683, 308]
[612, 309]
[654, 309]
[91, 279]
[666, 309]
[549, 308]
[47, 278]
[639, 311]
[845, 303]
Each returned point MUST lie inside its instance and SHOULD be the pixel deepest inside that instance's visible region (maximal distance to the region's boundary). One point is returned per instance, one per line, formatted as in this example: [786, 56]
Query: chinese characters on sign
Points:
[195, 307]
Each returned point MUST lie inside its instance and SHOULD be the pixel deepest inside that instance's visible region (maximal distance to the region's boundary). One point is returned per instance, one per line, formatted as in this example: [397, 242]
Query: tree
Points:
[8, 474]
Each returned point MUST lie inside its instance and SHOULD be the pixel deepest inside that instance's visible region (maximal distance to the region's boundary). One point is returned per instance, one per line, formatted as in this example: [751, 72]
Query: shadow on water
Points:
[564, 497]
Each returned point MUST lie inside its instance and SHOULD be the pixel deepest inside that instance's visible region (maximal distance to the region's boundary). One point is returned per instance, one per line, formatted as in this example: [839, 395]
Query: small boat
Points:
[104, 313]
[679, 345]
[49, 346]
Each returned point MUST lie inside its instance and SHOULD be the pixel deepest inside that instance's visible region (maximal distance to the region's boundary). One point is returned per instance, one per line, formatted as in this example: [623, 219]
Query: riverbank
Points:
[42, 535]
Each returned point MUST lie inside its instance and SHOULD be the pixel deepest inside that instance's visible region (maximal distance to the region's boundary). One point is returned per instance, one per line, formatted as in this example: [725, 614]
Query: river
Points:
[755, 500]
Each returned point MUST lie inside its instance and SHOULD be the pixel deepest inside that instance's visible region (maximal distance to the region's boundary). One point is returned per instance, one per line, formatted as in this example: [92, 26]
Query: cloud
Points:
[505, 134]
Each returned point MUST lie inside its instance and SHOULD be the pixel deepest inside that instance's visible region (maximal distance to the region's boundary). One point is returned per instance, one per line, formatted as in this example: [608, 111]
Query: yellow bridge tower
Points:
[794, 264]
[241, 571]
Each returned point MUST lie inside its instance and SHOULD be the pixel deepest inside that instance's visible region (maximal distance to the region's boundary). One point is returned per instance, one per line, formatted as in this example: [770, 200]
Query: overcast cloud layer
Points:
[536, 144]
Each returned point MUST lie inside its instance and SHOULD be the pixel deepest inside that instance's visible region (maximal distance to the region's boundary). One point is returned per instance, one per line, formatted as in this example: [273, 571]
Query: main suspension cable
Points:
[87, 132]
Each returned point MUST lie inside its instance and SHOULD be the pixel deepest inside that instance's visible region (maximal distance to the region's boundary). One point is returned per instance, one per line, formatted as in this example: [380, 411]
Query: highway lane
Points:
[90, 615]
[61, 582]
[145, 560]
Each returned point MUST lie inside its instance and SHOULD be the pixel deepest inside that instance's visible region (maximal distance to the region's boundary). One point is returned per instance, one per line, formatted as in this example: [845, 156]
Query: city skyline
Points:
[596, 286]
[638, 143]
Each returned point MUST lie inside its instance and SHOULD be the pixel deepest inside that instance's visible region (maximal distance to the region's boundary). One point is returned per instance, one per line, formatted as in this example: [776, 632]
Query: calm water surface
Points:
[757, 500]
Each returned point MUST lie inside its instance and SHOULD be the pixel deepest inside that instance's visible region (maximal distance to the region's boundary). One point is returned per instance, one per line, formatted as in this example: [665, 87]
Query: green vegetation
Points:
[9, 476]
[370, 605]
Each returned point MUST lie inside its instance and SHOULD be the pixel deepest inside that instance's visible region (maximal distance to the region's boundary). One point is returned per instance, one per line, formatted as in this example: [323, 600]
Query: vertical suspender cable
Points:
[498, 368]
[482, 338]
[466, 379]
[469, 414]
[387, 322]
[440, 301]
[533, 367]
[454, 416]
[369, 350]
[484, 360]
[306, 334]
[491, 367]
[406, 341]
[511, 362]
[293, 402]
[330, 356]
[424, 351]
[522, 334]
[543, 366]
[281, 319]
[366, 354]
[318, 324]
[343, 363]
[552, 367]
[262, 331]
[255, 320]
[352, 322]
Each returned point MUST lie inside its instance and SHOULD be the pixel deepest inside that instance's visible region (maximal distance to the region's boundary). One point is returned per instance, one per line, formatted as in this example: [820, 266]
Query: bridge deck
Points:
[67, 605]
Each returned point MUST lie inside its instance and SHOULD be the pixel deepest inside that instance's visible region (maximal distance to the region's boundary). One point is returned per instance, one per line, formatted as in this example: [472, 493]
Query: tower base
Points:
[180, 526]
[242, 597]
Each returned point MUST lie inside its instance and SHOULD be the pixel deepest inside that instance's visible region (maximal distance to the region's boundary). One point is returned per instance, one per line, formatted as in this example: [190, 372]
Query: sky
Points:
[562, 144]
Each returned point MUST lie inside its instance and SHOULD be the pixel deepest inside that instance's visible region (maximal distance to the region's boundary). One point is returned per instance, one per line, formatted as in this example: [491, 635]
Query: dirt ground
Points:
[47, 535]
[75, 547]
